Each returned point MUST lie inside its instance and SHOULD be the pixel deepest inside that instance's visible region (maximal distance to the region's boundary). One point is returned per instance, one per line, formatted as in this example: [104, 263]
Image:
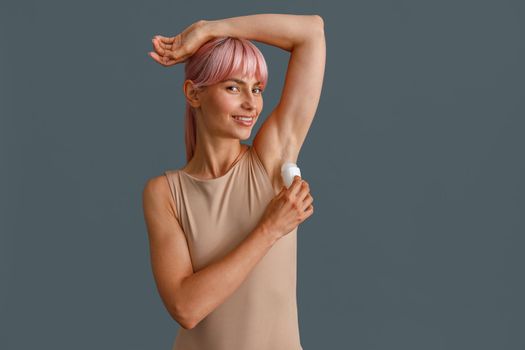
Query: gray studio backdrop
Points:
[415, 161]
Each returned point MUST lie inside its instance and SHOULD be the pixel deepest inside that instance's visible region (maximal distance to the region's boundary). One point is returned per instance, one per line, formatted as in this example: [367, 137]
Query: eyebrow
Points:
[239, 81]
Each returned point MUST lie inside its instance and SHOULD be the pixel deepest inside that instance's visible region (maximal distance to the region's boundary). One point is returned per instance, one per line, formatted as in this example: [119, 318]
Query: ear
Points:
[192, 94]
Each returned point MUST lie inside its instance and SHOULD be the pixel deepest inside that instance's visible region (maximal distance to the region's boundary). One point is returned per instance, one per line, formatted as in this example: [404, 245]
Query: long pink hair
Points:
[215, 61]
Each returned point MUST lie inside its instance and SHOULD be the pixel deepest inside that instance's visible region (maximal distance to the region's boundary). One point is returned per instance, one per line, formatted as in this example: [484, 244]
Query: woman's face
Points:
[222, 102]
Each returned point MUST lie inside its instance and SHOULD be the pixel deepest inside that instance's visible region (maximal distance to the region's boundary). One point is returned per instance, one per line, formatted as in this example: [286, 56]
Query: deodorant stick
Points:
[288, 171]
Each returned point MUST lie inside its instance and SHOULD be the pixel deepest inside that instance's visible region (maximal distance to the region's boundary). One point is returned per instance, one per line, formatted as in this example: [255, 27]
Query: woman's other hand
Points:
[288, 209]
[172, 50]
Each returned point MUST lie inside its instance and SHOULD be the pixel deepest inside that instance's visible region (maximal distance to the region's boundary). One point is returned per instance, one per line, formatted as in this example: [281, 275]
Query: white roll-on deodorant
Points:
[288, 172]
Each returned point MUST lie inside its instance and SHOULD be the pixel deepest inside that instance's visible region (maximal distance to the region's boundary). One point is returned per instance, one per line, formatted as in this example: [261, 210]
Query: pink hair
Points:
[217, 60]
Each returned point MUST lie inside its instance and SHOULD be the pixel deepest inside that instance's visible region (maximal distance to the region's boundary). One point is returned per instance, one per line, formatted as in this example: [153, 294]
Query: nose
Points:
[249, 103]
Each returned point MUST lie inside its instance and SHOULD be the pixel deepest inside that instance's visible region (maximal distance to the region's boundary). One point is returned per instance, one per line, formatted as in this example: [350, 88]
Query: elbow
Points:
[319, 22]
[187, 325]
[316, 28]
[183, 318]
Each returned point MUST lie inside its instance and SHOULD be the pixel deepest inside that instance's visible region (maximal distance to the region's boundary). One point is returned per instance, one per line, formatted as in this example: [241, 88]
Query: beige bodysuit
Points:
[216, 216]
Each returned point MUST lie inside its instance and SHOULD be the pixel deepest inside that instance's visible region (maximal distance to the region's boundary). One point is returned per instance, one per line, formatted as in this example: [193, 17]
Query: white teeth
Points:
[246, 119]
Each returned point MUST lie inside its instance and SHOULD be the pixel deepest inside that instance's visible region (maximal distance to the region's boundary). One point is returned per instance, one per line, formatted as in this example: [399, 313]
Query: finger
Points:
[155, 56]
[163, 60]
[307, 202]
[157, 47]
[165, 40]
[304, 191]
[310, 210]
[162, 44]
[295, 186]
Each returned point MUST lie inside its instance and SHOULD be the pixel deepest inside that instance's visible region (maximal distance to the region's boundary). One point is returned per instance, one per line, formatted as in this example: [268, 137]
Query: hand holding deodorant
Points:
[288, 171]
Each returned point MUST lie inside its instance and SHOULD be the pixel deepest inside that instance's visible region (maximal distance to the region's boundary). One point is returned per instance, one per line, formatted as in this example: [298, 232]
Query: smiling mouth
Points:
[244, 120]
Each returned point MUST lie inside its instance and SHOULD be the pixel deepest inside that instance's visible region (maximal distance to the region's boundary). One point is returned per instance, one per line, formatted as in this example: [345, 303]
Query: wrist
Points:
[269, 235]
[214, 29]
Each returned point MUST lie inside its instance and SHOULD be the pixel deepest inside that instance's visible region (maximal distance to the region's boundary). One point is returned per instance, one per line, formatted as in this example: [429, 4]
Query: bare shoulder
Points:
[157, 192]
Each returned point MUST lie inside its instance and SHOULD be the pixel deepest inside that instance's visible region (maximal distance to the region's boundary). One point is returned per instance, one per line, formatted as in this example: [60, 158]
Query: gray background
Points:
[415, 161]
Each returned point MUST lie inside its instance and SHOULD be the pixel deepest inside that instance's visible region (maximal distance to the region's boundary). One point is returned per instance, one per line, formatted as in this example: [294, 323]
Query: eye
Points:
[229, 87]
[260, 90]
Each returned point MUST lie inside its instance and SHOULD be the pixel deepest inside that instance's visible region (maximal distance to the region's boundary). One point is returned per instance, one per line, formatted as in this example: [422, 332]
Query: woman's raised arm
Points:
[281, 30]
[282, 134]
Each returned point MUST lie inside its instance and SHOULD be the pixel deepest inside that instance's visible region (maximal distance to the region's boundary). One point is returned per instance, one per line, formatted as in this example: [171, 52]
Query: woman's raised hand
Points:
[177, 49]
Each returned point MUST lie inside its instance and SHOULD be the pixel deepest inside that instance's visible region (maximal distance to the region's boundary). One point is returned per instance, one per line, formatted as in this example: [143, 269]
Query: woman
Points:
[222, 230]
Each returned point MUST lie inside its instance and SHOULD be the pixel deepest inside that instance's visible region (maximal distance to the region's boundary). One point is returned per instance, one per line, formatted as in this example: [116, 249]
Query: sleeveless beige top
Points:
[216, 215]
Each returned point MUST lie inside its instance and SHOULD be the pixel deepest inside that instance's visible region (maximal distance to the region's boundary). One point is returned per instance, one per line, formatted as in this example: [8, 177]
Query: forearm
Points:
[205, 290]
[281, 30]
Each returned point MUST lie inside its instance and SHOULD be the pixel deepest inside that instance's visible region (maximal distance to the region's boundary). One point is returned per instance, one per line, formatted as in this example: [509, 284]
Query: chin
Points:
[244, 138]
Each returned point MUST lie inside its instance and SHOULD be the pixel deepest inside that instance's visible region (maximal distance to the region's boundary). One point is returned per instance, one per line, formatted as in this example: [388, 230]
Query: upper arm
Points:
[169, 253]
[282, 134]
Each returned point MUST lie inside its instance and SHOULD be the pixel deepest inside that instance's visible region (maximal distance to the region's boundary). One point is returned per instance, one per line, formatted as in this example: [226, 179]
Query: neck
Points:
[214, 159]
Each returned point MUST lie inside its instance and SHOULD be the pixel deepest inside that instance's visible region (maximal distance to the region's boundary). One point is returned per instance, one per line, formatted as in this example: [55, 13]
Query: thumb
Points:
[173, 54]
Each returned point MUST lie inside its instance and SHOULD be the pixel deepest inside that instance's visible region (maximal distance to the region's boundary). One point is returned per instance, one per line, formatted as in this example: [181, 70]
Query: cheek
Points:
[225, 105]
